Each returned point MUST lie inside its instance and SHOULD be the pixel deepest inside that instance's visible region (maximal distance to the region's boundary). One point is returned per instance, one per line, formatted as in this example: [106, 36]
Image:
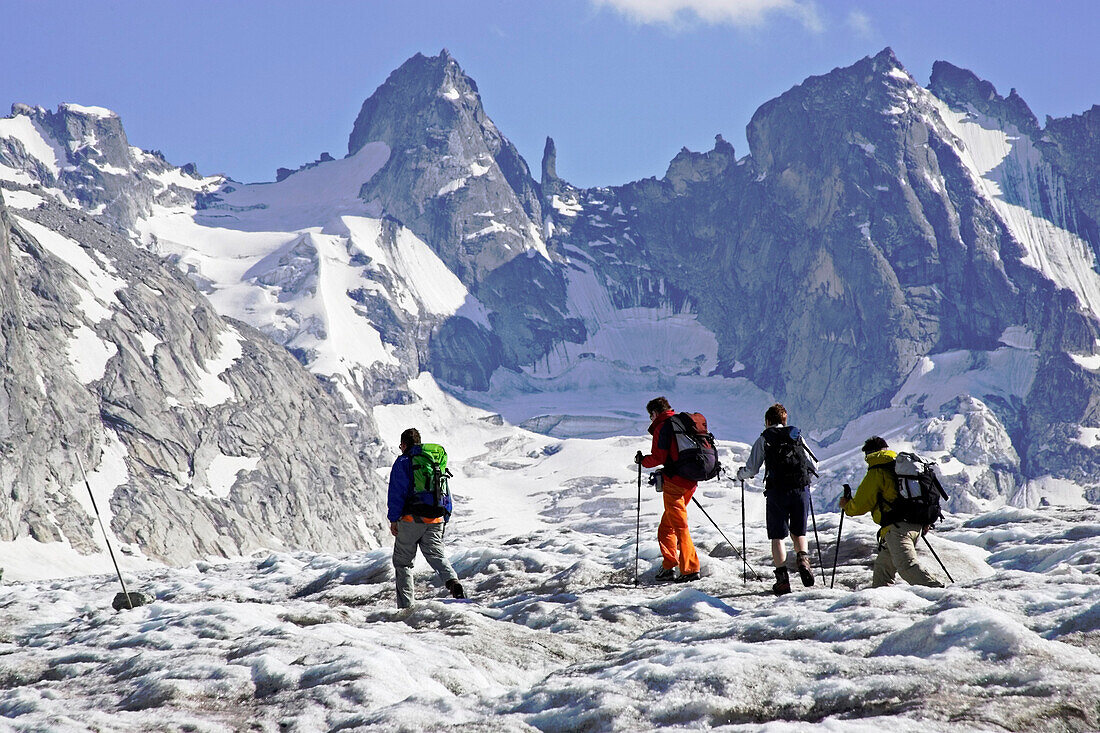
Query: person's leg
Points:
[779, 553]
[798, 512]
[884, 570]
[404, 555]
[902, 544]
[431, 544]
[676, 511]
[775, 516]
[666, 535]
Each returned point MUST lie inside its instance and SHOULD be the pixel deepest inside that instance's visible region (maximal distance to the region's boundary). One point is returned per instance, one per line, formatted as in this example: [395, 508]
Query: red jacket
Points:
[663, 452]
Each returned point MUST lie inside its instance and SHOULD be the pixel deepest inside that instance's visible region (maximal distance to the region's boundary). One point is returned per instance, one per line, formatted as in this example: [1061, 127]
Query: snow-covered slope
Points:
[304, 262]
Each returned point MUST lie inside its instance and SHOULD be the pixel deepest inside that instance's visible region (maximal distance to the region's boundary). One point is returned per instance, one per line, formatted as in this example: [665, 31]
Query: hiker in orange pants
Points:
[673, 534]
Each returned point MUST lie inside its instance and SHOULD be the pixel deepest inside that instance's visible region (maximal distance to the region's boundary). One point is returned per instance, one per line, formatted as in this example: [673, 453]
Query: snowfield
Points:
[557, 636]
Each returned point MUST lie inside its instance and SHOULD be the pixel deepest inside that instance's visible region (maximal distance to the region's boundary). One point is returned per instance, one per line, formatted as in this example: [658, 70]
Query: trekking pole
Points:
[817, 540]
[727, 539]
[125, 592]
[923, 536]
[839, 529]
[638, 525]
[744, 542]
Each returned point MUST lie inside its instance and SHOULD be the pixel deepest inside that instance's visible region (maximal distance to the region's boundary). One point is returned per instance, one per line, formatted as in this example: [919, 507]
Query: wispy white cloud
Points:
[715, 12]
[860, 22]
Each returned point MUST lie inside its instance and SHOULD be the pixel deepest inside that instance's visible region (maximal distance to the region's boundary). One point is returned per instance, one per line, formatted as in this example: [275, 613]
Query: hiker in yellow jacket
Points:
[897, 543]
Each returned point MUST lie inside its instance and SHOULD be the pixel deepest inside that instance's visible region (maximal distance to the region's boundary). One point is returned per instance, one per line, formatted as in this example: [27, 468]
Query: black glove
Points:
[638, 457]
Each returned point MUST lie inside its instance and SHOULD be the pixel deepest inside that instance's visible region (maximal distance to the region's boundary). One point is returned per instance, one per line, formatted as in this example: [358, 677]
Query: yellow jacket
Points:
[876, 488]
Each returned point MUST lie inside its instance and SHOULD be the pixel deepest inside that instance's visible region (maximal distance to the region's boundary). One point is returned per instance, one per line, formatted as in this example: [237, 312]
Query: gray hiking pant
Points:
[897, 555]
[429, 538]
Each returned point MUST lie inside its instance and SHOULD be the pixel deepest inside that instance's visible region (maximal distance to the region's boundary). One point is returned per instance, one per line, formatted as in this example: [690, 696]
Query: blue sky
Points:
[245, 87]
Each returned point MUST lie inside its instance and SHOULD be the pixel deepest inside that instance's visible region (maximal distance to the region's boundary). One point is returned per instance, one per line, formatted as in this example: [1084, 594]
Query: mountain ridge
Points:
[922, 267]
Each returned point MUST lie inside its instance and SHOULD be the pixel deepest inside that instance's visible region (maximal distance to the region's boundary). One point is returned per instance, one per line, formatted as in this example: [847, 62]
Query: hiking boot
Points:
[665, 574]
[804, 570]
[782, 582]
[456, 589]
[687, 577]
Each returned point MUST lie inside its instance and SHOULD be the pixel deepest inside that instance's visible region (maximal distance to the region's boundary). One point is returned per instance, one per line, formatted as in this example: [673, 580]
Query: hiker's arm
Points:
[658, 454]
[866, 495]
[656, 458]
[756, 460]
[400, 484]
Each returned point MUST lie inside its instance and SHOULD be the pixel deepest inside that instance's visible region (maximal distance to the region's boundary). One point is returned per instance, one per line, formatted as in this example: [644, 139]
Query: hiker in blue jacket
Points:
[416, 524]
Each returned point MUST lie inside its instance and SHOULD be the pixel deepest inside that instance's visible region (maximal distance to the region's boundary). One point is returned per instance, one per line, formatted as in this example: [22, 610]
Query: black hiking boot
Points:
[456, 589]
[664, 575]
[687, 577]
[804, 570]
[782, 582]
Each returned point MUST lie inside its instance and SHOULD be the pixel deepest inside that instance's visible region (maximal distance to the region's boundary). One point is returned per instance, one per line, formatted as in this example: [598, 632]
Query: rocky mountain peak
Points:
[91, 134]
[452, 177]
[84, 152]
[456, 182]
[885, 61]
[435, 87]
[210, 438]
[690, 167]
[849, 102]
[961, 88]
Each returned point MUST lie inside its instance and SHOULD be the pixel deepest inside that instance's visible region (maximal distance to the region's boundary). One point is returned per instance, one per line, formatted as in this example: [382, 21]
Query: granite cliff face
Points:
[874, 226]
[200, 436]
[84, 153]
[1072, 145]
[847, 259]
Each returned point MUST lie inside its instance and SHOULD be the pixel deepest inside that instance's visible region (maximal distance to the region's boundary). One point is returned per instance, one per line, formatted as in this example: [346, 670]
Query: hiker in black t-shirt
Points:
[787, 475]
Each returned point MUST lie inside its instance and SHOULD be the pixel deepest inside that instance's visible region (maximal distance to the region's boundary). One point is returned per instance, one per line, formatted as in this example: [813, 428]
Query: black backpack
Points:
[788, 466]
[696, 454]
[919, 492]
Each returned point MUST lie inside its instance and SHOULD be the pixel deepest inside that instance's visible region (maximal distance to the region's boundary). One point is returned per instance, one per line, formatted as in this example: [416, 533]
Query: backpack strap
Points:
[884, 507]
[677, 425]
[802, 445]
[666, 436]
[939, 486]
[768, 445]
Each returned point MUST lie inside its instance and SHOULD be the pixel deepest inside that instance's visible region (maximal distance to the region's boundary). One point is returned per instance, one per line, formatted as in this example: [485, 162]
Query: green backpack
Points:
[431, 494]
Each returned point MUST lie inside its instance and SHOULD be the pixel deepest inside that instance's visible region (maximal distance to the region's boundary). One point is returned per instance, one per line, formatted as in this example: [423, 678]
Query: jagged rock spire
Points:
[549, 162]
